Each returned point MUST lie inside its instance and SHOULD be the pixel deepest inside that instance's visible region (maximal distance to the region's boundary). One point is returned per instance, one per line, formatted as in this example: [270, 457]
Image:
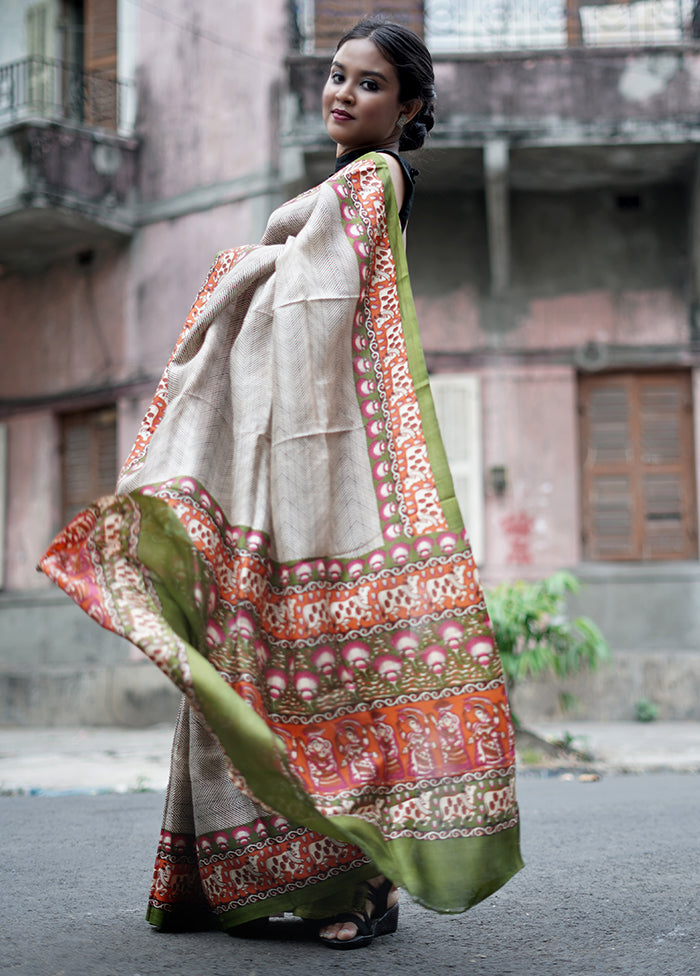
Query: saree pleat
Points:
[286, 545]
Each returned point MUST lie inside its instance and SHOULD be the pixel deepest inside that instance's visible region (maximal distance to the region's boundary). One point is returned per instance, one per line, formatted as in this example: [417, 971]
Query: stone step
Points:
[668, 679]
[133, 695]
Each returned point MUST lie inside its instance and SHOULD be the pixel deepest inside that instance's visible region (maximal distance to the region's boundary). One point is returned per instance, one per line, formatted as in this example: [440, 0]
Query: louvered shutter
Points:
[333, 17]
[458, 407]
[666, 435]
[89, 458]
[638, 466]
[100, 57]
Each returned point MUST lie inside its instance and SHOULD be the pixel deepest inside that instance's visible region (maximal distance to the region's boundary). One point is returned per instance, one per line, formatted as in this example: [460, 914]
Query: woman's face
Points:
[361, 103]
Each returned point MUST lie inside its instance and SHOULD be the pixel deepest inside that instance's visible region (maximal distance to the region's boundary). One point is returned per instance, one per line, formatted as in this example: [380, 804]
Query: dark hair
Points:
[414, 66]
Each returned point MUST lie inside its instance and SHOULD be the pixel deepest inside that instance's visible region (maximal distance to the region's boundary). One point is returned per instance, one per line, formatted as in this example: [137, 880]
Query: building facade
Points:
[554, 249]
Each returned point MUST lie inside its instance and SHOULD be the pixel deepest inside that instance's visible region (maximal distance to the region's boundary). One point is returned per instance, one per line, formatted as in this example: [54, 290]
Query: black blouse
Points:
[409, 173]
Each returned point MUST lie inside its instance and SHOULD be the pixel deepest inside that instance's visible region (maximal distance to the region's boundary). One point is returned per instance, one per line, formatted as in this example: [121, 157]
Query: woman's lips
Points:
[340, 116]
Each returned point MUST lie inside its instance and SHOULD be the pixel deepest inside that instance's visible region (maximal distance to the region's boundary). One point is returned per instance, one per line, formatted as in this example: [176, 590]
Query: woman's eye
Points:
[370, 85]
[336, 77]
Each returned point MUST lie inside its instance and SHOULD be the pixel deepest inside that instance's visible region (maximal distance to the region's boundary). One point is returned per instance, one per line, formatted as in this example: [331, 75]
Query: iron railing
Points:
[59, 91]
[511, 24]
[502, 25]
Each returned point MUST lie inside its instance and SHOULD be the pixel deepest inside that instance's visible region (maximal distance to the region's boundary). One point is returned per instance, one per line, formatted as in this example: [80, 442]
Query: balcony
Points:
[67, 168]
[533, 95]
[572, 94]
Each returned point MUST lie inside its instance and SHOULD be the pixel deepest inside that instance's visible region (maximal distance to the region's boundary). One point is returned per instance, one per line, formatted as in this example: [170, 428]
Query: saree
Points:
[285, 544]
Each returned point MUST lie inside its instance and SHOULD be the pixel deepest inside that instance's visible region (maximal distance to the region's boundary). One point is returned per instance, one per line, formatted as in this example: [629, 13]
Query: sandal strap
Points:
[379, 896]
[360, 919]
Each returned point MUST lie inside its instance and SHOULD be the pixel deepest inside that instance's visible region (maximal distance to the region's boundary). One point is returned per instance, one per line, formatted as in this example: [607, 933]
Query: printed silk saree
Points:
[286, 546]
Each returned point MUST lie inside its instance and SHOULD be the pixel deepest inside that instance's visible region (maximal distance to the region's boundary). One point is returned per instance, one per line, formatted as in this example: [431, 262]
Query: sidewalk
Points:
[84, 760]
[93, 760]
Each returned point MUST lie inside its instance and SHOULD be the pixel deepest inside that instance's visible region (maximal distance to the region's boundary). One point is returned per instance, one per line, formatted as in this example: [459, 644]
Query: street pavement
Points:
[610, 884]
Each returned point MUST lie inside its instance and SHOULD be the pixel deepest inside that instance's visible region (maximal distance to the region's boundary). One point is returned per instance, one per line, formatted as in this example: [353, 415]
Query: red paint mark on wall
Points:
[518, 527]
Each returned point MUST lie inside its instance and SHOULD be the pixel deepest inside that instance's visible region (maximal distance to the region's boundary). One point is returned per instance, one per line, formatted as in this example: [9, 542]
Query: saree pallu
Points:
[286, 545]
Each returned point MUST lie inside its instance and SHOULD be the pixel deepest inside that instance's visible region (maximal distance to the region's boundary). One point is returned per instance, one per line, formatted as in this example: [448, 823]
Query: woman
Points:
[285, 544]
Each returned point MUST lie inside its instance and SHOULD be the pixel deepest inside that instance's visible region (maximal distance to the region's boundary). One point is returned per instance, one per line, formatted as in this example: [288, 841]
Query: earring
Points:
[402, 120]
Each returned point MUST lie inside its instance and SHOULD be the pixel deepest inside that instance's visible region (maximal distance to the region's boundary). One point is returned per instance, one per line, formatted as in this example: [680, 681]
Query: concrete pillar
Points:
[694, 282]
[497, 214]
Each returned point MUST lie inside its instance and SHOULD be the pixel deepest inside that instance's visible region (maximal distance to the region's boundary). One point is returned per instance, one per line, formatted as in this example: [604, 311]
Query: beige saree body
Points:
[285, 544]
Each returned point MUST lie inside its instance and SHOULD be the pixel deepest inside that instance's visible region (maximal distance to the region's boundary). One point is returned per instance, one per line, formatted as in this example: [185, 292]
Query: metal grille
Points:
[476, 25]
[59, 91]
[499, 25]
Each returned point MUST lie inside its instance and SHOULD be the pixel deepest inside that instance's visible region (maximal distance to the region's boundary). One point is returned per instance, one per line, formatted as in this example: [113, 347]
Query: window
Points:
[458, 407]
[638, 466]
[39, 52]
[88, 458]
[333, 17]
[100, 59]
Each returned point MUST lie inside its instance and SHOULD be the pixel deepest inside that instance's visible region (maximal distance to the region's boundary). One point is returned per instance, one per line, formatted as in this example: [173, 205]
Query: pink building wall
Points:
[529, 427]
[208, 84]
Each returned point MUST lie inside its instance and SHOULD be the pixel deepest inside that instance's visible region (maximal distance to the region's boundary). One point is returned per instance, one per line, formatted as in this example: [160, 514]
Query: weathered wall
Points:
[208, 96]
[32, 508]
[584, 268]
[579, 85]
[208, 91]
[63, 328]
[530, 429]
[551, 99]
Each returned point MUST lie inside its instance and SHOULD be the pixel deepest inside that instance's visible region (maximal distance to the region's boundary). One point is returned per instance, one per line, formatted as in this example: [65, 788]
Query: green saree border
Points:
[416, 359]
[322, 900]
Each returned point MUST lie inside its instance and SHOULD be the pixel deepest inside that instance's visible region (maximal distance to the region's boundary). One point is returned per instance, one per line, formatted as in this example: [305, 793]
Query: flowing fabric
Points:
[286, 545]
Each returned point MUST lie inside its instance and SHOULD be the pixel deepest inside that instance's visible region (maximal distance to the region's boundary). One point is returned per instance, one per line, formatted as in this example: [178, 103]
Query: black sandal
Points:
[382, 921]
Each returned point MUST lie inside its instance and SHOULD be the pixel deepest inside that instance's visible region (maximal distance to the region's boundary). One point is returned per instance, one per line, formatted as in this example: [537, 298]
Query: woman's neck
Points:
[392, 146]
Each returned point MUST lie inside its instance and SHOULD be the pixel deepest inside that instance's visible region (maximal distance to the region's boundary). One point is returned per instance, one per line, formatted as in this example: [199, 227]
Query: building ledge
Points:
[571, 119]
[64, 188]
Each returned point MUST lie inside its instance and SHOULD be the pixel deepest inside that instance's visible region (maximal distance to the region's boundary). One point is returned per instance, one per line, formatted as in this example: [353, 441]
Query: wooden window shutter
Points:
[100, 60]
[458, 407]
[89, 458]
[333, 17]
[638, 468]
[101, 36]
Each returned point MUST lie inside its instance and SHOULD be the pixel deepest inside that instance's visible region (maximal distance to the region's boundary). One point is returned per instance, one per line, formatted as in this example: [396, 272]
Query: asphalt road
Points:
[610, 887]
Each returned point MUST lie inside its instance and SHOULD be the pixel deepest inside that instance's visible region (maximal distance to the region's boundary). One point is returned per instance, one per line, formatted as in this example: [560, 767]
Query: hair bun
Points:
[415, 132]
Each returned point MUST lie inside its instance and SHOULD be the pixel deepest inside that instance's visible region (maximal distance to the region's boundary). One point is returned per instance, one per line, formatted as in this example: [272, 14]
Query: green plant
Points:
[645, 710]
[534, 633]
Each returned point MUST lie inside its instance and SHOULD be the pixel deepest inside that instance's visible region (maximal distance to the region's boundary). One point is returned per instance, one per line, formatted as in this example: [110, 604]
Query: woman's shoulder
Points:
[398, 176]
[401, 173]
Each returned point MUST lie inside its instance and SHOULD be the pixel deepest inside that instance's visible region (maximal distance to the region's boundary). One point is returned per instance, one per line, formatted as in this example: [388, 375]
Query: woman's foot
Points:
[356, 929]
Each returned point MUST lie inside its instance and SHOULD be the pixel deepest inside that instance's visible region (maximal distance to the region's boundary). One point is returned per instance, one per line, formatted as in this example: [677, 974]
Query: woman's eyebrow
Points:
[369, 71]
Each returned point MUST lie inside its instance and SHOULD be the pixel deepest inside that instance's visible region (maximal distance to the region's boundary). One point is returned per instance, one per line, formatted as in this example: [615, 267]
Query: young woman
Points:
[285, 544]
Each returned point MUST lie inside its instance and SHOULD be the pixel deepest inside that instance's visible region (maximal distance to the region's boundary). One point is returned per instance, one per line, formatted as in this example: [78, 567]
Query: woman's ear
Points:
[410, 109]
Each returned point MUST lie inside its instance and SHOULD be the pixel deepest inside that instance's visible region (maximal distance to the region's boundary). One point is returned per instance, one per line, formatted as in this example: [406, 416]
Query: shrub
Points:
[646, 710]
[535, 635]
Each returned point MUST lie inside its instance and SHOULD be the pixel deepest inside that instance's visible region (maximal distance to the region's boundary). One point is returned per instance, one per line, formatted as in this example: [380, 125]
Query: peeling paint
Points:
[646, 77]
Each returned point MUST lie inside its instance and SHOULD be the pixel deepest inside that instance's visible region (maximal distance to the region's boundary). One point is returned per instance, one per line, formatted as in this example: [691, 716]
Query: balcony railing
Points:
[517, 24]
[503, 25]
[59, 91]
